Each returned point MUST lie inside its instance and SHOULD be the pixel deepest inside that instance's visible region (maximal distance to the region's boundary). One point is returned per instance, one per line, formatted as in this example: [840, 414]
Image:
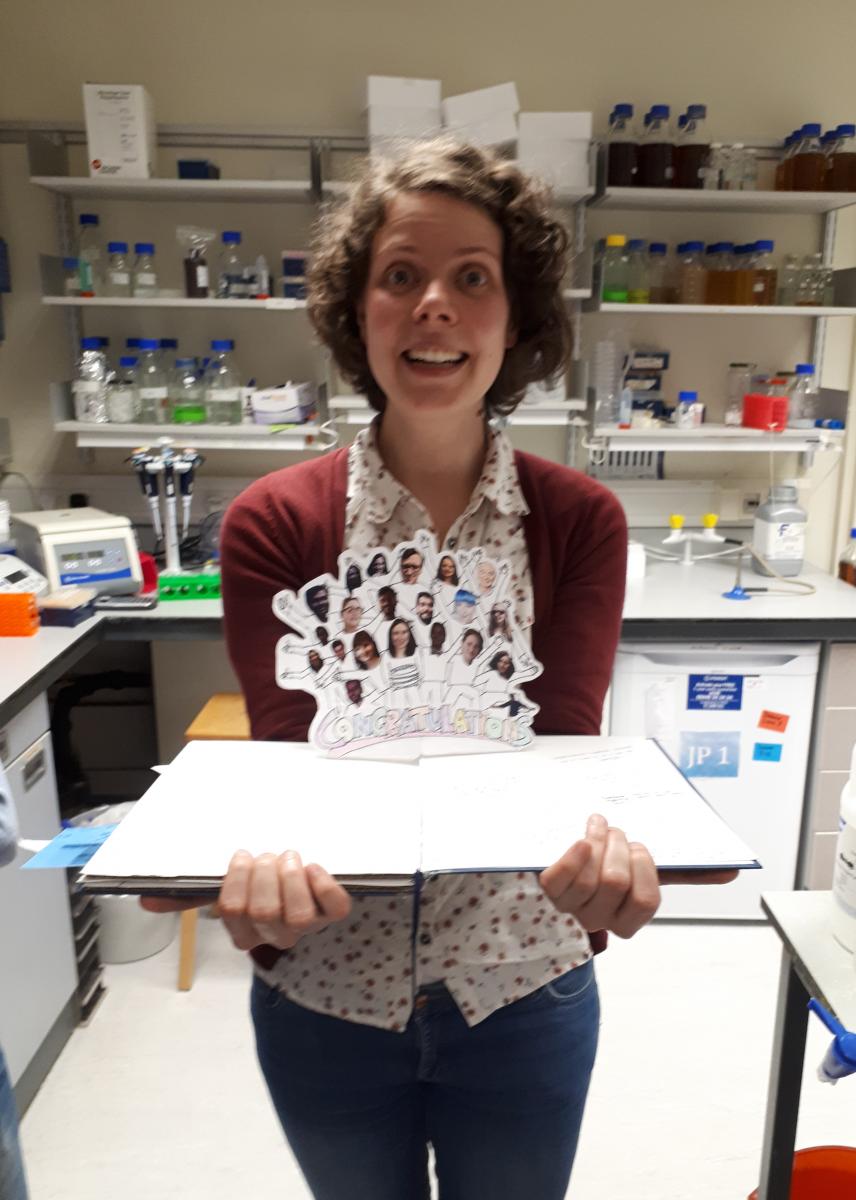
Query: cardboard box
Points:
[555, 126]
[403, 122]
[498, 130]
[120, 130]
[391, 91]
[557, 172]
[473, 107]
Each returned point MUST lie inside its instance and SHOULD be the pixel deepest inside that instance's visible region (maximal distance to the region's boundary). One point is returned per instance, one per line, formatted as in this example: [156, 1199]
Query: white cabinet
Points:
[38, 973]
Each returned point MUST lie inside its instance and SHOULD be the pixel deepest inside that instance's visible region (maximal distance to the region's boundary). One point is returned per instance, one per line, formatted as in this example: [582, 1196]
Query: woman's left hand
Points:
[609, 883]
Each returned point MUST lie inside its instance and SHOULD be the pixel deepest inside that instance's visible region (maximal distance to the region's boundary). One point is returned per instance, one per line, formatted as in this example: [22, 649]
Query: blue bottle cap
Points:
[834, 424]
[186, 362]
[812, 129]
[714, 248]
[853, 532]
[805, 369]
[132, 343]
[223, 344]
[90, 343]
[70, 264]
[117, 247]
[636, 244]
[128, 360]
[169, 343]
[231, 237]
[144, 247]
[687, 396]
[658, 248]
[102, 342]
[727, 247]
[659, 111]
[693, 247]
[765, 247]
[623, 110]
[846, 131]
[696, 112]
[148, 344]
[682, 120]
[88, 219]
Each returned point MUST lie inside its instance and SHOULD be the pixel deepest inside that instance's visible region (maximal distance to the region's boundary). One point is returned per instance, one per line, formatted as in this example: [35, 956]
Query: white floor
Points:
[160, 1097]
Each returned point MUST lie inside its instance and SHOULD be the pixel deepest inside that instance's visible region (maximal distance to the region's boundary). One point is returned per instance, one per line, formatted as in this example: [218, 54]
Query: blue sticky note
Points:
[767, 752]
[71, 848]
[710, 754]
[715, 692]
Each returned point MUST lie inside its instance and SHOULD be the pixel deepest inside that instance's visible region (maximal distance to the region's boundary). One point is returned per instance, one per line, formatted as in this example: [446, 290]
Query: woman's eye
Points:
[474, 277]
[398, 276]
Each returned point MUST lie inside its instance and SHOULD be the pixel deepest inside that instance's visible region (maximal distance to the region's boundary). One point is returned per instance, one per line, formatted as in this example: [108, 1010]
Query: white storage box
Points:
[555, 170]
[498, 130]
[555, 126]
[292, 404]
[392, 91]
[403, 122]
[120, 130]
[472, 107]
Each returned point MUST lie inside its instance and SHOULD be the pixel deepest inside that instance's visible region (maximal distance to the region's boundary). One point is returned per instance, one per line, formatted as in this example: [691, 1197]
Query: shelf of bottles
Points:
[272, 304]
[354, 410]
[723, 310]
[287, 438]
[278, 191]
[637, 199]
[715, 438]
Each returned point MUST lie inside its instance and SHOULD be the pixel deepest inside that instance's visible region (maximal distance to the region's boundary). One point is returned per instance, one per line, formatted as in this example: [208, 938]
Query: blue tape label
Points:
[767, 752]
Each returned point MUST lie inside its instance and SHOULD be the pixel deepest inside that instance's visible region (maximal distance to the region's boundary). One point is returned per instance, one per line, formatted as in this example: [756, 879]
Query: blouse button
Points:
[451, 543]
[425, 939]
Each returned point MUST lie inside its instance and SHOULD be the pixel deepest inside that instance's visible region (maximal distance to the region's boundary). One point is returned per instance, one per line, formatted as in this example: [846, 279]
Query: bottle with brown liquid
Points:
[692, 149]
[764, 274]
[656, 150]
[809, 161]
[622, 160]
[721, 275]
[847, 562]
[691, 274]
[782, 165]
[660, 282]
[842, 161]
[744, 276]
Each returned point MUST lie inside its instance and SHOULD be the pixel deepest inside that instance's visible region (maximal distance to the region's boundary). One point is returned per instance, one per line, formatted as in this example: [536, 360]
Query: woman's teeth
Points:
[440, 357]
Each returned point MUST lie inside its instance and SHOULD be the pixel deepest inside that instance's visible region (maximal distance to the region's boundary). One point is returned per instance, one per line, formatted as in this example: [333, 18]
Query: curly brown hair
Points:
[535, 247]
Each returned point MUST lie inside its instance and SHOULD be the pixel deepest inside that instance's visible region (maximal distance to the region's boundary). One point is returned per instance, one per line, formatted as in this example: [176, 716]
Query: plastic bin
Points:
[823, 1173]
[128, 933]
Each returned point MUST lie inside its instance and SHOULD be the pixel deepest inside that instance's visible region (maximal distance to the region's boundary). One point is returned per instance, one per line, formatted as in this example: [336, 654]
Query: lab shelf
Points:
[701, 200]
[278, 191]
[291, 438]
[273, 304]
[721, 310]
[353, 410]
[726, 439]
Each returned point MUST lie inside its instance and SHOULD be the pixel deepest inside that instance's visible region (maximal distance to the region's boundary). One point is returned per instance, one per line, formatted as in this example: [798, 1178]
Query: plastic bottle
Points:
[622, 162]
[789, 278]
[89, 386]
[809, 163]
[152, 383]
[765, 275]
[638, 285]
[223, 386]
[842, 162]
[167, 354]
[684, 417]
[781, 167]
[779, 531]
[810, 283]
[803, 408]
[660, 285]
[656, 149]
[145, 275]
[90, 256]
[615, 270]
[847, 561]
[744, 276]
[844, 875]
[123, 399]
[71, 276]
[692, 274]
[739, 383]
[257, 280]
[721, 277]
[186, 394]
[607, 369]
[117, 279]
[230, 275]
[692, 150]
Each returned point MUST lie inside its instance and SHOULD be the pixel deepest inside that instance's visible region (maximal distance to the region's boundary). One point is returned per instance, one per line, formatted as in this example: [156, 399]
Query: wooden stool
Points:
[224, 719]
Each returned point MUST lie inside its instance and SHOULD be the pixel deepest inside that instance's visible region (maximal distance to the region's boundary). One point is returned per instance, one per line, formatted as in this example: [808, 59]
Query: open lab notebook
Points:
[377, 825]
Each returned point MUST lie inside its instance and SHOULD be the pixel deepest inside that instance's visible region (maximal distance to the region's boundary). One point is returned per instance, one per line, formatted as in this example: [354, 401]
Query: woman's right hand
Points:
[270, 900]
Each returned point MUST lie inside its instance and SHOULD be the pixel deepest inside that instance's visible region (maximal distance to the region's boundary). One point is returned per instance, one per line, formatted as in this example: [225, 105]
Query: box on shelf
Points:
[387, 122]
[197, 168]
[294, 403]
[470, 108]
[120, 130]
[555, 127]
[556, 172]
[498, 130]
[393, 91]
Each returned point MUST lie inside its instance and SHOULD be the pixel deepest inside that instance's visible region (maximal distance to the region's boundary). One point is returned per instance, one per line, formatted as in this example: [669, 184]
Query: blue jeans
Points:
[13, 1185]
[501, 1103]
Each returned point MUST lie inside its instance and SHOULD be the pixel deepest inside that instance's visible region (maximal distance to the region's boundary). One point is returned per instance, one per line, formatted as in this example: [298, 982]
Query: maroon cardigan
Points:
[288, 527]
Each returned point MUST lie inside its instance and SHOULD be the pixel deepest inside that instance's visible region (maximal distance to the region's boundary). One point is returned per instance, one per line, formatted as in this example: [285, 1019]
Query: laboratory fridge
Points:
[736, 718]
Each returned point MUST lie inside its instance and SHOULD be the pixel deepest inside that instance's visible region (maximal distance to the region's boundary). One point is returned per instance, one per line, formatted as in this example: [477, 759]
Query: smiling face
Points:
[447, 569]
[355, 690]
[387, 604]
[410, 567]
[315, 660]
[470, 647]
[424, 608]
[486, 575]
[399, 635]
[503, 666]
[352, 614]
[365, 653]
[434, 316]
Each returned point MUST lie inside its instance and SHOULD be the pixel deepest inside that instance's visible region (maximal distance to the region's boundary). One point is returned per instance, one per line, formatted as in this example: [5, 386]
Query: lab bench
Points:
[672, 603]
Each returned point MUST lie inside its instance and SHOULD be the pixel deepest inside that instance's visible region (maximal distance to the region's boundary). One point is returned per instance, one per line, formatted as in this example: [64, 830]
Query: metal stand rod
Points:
[783, 1097]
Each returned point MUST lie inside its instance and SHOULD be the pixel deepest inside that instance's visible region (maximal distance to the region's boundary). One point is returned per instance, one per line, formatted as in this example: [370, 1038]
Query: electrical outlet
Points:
[751, 501]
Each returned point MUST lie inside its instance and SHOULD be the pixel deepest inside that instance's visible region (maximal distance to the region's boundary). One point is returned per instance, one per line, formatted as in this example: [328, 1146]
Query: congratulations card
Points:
[406, 646]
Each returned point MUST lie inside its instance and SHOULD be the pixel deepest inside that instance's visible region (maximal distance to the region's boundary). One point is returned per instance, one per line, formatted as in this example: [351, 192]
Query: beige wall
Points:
[302, 66]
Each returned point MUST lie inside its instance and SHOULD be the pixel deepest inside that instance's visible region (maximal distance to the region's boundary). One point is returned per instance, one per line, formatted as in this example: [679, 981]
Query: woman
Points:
[365, 651]
[386, 1024]
[447, 572]
[498, 691]
[378, 566]
[402, 669]
[498, 625]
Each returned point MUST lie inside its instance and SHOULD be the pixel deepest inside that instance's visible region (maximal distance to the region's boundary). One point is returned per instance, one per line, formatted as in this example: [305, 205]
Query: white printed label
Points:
[86, 387]
[120, 278]
[146, 278]
[202, 277]
[844, 878]
[157, 393]
[778, 540]
[224, 394]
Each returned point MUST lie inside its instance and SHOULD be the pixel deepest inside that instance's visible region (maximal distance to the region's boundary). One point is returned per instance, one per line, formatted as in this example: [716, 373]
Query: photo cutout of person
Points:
[338, 650]
[357, 692]
[402, 666]
[366, 656]
[447, 579]
[423, 618]
[378, 565]
[499, 625]
[387, 611]
[433, 665]
[410, 563]
[317, 600]
[351, 618]
[465, 607]
[498, 685]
